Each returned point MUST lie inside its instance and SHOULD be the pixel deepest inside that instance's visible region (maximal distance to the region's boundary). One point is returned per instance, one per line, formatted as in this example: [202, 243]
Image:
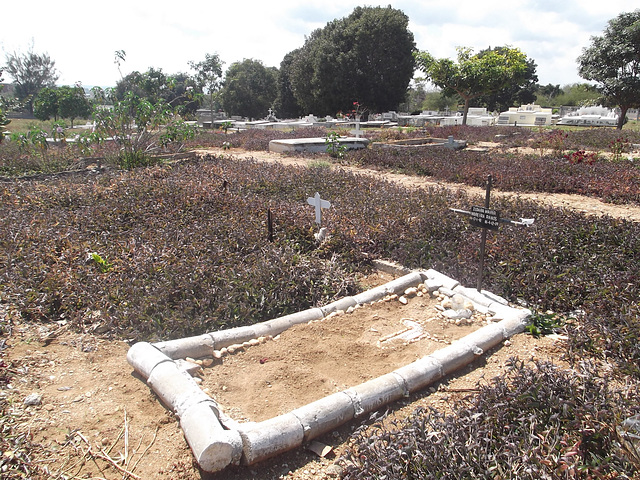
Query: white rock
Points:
[411, 292]
[33, 399]
[403, 300]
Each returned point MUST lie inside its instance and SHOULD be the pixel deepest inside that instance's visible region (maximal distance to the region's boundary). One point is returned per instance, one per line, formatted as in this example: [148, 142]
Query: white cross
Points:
[357, 130]
[319, 204]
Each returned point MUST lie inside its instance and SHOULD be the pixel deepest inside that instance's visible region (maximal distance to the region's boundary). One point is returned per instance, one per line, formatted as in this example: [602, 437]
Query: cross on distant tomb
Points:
[487, 219]
[319, 204]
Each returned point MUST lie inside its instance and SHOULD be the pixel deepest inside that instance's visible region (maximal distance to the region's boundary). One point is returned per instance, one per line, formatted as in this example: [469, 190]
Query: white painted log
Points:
[515, 322]
[175, 388]
[373, 394]
[473, 295]
[325, 414]
[370, 296]
[269, 438]
[454, 356]
[341, 304]
[421, 373]
[447, 282]
[486, 337]
[224, 338]
[399, 285]
[305, 316]
[213, 447]
[144, 357]
[194, 347]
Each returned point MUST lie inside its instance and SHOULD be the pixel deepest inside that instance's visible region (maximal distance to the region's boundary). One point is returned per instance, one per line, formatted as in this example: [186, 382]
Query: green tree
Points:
[249, 89]
[30, 72]
[141, 129]
[577, 94]
[286, 104]
[179, 90]
[613, 62]
[548, 93]
[63, 102]
[366, 57]
[73, 103]
[435, 100]
[474, 75]
[4, 121]
[513, 94]
[209, 78]
[46, 104]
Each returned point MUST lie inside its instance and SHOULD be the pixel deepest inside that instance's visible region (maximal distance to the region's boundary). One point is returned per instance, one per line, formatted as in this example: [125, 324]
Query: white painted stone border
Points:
[218, 441]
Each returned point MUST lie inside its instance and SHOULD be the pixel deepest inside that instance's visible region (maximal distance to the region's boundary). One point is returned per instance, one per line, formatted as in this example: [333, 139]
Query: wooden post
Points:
[270, 225]
[483, 240]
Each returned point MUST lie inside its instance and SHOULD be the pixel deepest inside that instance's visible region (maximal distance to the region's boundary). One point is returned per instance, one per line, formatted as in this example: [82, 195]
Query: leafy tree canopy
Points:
[513, 94]
[179, 90]
[208, 78]
[63, 102]
[30, 72]
[366, 57]
[4, 121]
[249, 89]
[613, 62]
[475, 75]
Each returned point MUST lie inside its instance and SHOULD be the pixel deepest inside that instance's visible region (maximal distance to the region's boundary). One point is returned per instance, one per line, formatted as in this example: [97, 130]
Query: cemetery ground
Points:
[97, 419]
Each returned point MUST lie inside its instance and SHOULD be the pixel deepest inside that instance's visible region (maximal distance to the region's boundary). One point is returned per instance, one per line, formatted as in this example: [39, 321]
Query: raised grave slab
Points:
[314, 145]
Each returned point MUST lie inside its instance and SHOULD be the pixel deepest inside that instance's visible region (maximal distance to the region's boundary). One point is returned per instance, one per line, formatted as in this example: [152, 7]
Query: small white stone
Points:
[403, 300]
[411, 292]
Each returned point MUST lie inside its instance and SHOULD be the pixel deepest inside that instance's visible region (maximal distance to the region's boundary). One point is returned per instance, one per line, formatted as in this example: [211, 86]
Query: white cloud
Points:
[166, 34]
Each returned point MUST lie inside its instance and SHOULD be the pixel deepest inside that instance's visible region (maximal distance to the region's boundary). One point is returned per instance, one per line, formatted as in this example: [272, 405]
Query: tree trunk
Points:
[623, 115]
[465, 111]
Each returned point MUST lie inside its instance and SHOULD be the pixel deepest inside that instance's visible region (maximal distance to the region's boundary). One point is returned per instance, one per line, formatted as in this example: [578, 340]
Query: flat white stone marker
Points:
[319, 204]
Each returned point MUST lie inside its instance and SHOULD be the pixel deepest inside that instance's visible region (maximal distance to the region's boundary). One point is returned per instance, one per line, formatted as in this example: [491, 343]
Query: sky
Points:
[82, 37]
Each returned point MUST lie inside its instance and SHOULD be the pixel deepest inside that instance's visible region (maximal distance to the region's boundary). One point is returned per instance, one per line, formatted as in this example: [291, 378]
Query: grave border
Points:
[218, 441]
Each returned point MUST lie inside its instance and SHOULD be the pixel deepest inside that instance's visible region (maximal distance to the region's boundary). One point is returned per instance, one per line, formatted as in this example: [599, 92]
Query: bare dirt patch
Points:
[310, 361]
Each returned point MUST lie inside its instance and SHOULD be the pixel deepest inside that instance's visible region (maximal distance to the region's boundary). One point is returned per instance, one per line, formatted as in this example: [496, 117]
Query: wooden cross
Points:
[487, 219]
[319, 204]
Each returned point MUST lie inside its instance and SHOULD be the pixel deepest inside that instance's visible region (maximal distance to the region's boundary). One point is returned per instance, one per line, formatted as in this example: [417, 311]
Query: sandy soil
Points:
[101, 421]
